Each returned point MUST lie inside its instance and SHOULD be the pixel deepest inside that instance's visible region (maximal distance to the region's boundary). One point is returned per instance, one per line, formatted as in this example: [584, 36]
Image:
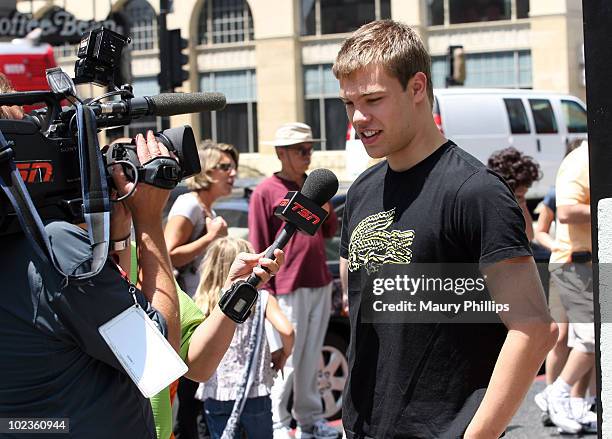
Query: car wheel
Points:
[332, 375]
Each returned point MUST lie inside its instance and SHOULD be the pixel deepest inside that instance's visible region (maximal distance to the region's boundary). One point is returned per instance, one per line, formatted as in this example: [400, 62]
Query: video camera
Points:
[45, 144]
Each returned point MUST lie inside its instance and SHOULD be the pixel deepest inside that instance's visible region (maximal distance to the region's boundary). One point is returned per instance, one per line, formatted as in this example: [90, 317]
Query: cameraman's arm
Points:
[155, 278]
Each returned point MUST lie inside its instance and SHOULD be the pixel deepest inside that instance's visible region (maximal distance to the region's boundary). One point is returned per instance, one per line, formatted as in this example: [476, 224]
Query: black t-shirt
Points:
[423, 380]
[54, 361]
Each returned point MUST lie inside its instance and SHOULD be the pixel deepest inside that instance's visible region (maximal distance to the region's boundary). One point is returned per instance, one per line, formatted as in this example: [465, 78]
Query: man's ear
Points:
[418, 86]
[278, 152]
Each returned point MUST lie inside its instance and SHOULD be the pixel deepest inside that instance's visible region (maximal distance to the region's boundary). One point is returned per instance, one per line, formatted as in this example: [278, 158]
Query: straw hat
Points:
[292, 134]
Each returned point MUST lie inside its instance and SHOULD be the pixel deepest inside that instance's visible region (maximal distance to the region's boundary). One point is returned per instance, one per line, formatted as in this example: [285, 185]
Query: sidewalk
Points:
[526, 423]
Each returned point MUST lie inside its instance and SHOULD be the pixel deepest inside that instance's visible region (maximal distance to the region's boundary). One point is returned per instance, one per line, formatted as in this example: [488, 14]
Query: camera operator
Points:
[55, 362]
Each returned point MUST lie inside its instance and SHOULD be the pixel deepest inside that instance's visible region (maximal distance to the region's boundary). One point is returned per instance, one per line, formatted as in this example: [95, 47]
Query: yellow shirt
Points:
[572, 187]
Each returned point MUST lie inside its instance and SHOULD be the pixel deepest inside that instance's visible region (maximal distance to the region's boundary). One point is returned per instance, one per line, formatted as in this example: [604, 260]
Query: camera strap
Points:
[96, 203]
[96, 200]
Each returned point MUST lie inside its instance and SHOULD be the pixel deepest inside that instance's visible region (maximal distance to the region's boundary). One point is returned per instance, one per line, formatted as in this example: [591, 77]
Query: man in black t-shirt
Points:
[419, 373]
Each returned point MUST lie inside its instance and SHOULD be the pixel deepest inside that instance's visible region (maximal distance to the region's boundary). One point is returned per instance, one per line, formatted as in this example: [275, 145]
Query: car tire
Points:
[332, 375]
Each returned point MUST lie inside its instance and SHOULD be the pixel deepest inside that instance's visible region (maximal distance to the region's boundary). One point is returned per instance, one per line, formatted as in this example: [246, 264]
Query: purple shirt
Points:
[305, 262]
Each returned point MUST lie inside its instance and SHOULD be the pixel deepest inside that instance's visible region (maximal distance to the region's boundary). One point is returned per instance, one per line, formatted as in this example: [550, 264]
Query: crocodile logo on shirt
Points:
[373, 244]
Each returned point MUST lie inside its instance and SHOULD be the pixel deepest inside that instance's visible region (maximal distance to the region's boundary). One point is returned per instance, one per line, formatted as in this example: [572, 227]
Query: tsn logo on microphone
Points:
[301, 211]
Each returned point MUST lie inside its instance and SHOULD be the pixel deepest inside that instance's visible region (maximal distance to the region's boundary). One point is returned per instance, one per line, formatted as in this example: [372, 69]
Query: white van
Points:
[481, 121]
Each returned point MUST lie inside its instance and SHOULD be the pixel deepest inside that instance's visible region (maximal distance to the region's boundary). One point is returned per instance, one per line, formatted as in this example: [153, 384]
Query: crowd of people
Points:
[429, 201]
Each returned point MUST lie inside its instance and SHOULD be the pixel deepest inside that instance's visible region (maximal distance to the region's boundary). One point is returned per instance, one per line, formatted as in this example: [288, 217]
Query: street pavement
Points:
[526, 423]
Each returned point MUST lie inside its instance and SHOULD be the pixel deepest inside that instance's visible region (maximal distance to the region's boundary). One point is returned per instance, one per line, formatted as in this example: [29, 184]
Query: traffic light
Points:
[172, 60]
[177, 59]
[456, 66]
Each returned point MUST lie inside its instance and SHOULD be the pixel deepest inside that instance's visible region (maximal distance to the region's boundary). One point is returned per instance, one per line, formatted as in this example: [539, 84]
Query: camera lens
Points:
[182, 142]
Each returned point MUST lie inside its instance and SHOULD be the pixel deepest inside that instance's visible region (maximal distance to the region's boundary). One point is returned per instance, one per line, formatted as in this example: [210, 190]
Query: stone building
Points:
[272, 58]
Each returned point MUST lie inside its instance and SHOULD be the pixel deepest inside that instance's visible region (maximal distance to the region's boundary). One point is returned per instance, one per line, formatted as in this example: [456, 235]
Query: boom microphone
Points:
[302, 210]
[171, 104]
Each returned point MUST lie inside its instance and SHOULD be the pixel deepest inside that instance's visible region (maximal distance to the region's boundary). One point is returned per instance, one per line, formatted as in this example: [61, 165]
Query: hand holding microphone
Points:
[301, 211]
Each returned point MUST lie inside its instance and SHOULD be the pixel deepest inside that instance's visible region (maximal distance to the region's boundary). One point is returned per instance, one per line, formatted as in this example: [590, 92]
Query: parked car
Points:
[333, 371]
[539, 124]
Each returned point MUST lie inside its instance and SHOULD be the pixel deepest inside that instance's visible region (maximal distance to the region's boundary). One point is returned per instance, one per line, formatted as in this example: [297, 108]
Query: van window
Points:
[543, 116]
[517, 116]
[575, 117]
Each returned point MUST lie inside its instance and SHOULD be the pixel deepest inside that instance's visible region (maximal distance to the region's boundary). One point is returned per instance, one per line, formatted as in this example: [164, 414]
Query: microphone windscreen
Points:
[170, 104]
[320, 185]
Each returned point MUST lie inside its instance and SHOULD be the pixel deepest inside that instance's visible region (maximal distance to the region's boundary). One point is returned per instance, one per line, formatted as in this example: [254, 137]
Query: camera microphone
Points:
[170, 104]
[164, 104]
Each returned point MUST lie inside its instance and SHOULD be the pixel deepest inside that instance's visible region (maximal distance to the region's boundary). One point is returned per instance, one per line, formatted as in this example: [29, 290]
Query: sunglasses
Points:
[304, 151]
[226, 167]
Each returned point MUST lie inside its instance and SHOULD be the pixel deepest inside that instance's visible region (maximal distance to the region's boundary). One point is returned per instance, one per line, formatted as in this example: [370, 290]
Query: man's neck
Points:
[421, 146]
[292, 176]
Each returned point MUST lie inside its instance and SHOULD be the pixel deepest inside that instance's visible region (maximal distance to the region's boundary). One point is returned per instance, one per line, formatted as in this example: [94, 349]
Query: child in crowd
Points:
[220, 391]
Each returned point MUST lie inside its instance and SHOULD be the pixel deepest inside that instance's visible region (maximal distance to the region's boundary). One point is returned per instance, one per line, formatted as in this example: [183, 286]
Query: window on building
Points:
[225, 21]
[575, 117]
[543, 116]
[237, 123]
[442, 12]
[320, 17]
[469, 11]
[324, 111]
[142, 87]
[143, 24]
[511, 69]
[522, 8]
[436, 12]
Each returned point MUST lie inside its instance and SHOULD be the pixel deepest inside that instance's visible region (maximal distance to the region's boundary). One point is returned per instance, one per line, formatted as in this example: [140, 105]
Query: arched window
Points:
[143, 24]
[225, 21]
[321, 17]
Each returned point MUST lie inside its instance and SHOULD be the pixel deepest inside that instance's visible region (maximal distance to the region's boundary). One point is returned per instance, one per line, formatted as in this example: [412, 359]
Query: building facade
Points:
[273, 58]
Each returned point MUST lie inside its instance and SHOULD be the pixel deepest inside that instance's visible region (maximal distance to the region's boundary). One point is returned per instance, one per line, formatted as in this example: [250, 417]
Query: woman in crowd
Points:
[192, 226]
[192, 223]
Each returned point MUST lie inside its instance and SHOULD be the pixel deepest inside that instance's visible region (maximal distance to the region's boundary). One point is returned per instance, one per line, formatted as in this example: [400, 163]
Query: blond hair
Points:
[5, 84]
[215, 269]
[210, 154]
[9, 111]
[393, 45]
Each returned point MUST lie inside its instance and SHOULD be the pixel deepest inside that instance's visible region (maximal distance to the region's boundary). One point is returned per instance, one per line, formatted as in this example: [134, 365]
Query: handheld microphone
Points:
[301, 211]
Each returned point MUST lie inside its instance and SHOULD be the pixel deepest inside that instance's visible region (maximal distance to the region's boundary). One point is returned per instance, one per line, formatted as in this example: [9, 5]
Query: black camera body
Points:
[45, 147]
[99, 56]
[50, 169]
